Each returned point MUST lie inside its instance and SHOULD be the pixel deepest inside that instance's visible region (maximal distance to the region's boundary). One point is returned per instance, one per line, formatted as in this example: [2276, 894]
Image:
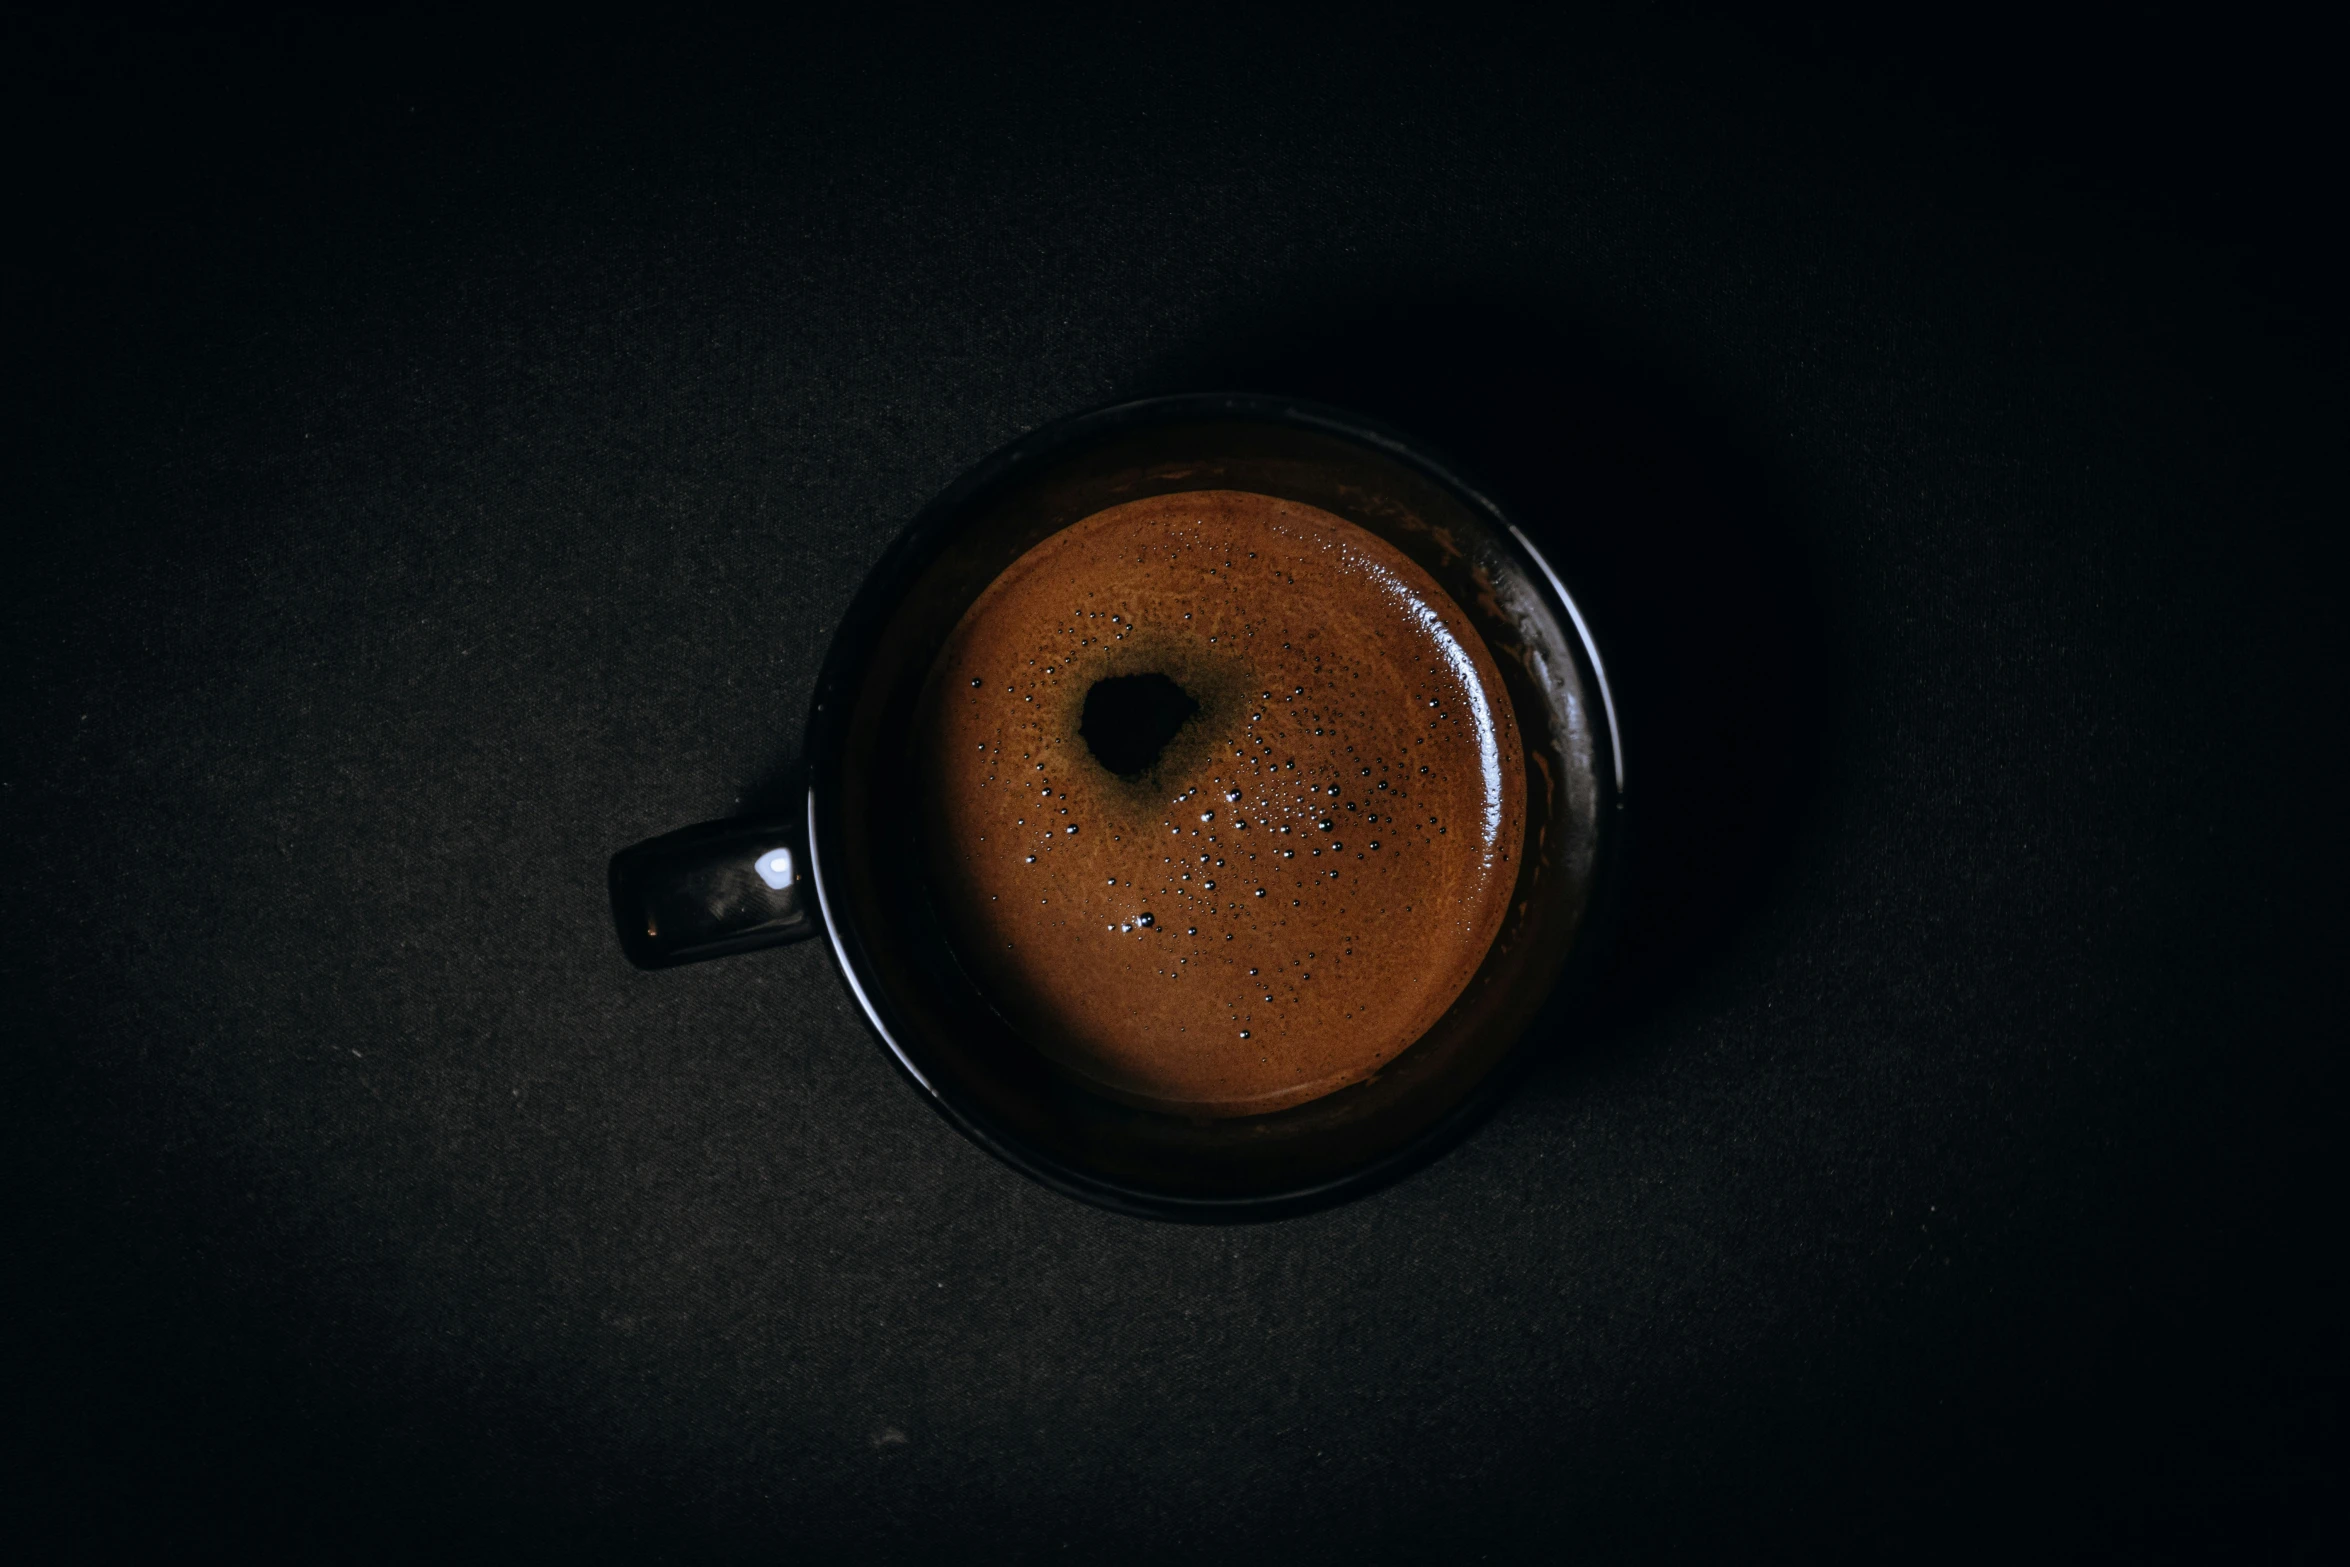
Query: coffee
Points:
[1224, 800]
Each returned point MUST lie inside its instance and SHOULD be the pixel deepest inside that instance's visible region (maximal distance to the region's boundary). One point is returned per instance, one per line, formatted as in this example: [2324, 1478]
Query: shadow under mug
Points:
[850, 869]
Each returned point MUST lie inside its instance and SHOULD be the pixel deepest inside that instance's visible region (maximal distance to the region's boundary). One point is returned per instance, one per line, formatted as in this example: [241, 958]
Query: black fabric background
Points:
[439, 452]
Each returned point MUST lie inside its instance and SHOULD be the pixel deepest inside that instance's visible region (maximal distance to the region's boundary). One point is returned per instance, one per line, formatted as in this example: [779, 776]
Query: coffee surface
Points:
[1225, 800]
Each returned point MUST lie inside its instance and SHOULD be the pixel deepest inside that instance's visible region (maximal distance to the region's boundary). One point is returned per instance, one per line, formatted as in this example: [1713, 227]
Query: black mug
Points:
[847, 869]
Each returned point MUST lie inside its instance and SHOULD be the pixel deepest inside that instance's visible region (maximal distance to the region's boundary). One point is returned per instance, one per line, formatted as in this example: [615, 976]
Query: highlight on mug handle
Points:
[712, 891]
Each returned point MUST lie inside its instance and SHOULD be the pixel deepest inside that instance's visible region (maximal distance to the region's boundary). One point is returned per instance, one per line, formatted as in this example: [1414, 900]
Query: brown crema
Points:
[1306, 873]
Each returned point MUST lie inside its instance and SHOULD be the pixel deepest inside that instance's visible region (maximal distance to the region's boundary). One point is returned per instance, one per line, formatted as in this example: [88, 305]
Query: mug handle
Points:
[713, 890]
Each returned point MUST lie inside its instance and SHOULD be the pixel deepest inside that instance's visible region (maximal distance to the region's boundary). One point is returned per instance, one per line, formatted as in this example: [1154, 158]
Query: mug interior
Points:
[864, 796]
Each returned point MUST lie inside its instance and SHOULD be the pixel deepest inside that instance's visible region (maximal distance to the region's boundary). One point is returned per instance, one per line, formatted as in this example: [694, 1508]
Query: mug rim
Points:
[902, 564]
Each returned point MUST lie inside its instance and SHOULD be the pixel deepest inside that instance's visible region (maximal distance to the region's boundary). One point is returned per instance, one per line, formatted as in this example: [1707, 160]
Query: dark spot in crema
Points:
[1128, 720]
